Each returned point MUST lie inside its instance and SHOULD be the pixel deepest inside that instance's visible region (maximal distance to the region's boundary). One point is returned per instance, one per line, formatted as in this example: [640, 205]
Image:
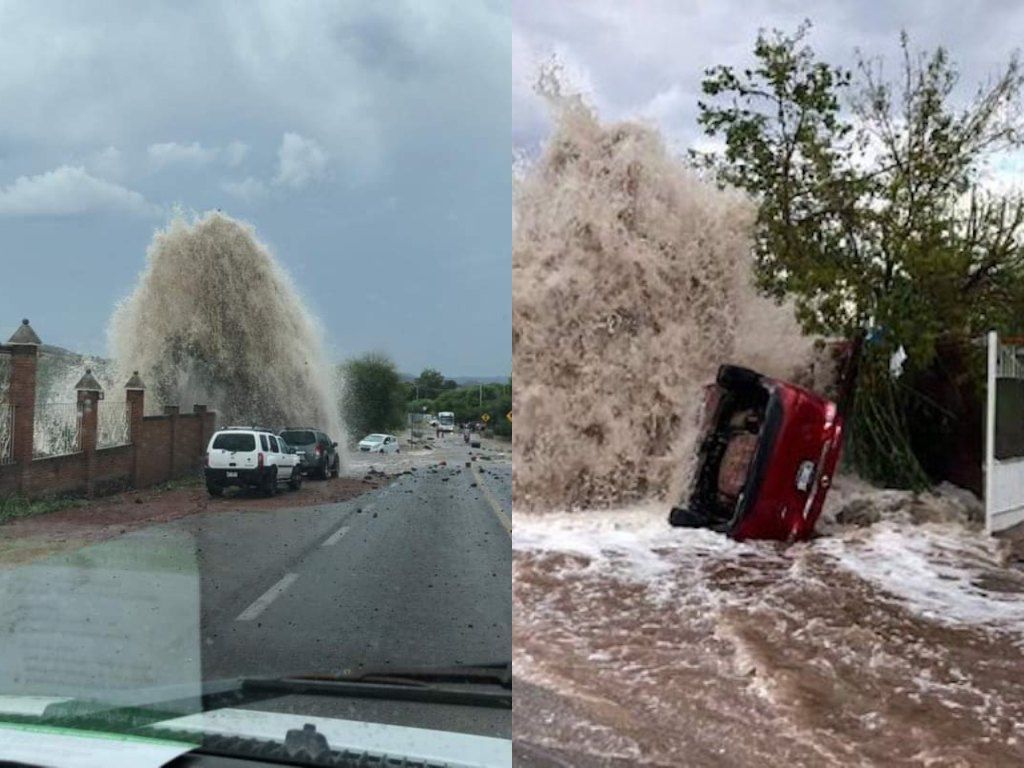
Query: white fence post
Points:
[1004, 473]
[990, 428]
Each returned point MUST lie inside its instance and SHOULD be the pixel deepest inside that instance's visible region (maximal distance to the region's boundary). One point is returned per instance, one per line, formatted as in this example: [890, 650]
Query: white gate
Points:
[1004, 434]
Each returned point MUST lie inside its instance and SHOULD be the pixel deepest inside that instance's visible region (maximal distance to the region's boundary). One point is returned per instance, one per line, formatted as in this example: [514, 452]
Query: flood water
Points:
[901, 643]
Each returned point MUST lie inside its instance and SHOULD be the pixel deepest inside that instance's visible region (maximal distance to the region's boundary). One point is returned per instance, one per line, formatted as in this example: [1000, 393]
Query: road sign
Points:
[509, 415]
[485, 418]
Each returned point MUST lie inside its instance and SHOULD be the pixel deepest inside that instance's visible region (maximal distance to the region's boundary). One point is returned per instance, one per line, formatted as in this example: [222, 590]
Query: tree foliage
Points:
[429, 384]
[470, 402]
[374, 398]
[873, 210]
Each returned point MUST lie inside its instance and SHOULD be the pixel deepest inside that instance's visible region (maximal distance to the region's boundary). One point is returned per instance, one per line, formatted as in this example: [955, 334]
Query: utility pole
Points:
[481, 395]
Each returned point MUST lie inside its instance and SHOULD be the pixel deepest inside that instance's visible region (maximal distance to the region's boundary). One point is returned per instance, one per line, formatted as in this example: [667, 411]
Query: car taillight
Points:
[206, 459]
[319, 450]
[830, 415]
[259, 460]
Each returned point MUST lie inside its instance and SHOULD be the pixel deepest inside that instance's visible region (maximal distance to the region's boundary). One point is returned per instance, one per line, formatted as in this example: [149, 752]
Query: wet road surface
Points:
[416, 572]
[899, 644]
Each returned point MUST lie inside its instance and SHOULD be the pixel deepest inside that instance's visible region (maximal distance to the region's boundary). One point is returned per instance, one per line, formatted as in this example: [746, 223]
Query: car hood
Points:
[163, 740]
[399, 741]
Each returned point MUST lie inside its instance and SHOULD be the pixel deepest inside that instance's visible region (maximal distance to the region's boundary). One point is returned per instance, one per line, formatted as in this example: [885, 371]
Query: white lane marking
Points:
[504, 519]
[263, 601]
[335, 537]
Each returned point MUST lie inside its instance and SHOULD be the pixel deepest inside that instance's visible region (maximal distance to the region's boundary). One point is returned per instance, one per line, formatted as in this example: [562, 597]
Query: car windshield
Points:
[220, 303]
[234, 441]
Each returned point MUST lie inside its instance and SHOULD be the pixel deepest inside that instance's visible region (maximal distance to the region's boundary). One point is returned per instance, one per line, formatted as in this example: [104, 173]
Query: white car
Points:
[376, 443]
[251, 457]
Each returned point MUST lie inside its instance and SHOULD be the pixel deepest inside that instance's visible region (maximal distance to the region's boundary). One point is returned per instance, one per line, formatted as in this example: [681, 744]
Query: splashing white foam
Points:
[214, 319]
[631, 284]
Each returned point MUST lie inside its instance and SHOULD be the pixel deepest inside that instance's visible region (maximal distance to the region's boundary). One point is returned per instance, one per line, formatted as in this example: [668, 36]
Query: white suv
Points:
[251, 457]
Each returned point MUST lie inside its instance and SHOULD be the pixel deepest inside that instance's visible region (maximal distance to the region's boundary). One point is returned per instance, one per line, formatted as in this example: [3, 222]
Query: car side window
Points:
[273, 444]
[263, 443]
[322, 439]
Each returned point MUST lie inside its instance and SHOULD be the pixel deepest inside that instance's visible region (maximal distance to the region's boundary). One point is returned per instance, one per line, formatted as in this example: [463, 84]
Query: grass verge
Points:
[14, 507]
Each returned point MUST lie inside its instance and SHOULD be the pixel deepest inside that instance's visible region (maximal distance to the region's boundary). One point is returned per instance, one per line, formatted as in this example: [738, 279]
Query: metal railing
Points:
[114, 425]
[6, 433]
[1010, 362]
[57, 430]
[5, 374]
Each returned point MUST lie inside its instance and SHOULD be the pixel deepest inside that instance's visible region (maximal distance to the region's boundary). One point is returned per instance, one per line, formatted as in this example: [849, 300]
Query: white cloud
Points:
[248, 189]
[648, 59]
[107, 163]
[173, 153]
[235, 152]
[70, 190]
[300, 161]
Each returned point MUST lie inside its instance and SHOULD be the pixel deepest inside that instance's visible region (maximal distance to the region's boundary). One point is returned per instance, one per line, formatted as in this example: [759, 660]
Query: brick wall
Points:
[55, 476]
[187, 433]
[113, 469]
[10, 477]
[153, 457]
[161, 448]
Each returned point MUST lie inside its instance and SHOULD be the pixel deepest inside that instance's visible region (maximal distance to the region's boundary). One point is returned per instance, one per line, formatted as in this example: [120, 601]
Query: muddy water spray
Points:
[631, 284]
[214, 319]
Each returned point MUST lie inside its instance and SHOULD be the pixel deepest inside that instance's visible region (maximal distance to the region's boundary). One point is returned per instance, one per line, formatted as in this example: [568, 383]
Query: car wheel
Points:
[684, 517]
[295, 481]
[214, 490]
[270, 482]
[737, 377]
[336, 471]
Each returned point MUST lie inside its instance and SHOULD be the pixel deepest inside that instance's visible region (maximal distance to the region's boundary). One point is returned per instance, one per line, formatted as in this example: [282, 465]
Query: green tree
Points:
[430, 383]
[871, 211]
[374, 397]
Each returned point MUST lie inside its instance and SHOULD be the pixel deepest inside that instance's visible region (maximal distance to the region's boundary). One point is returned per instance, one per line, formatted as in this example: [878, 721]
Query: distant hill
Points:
[50, 349]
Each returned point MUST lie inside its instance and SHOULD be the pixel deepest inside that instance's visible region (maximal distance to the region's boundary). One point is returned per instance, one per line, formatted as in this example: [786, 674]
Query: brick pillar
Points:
[89, 394]
[135, 395]
[171, 412]
[24, 349]
[88, 403]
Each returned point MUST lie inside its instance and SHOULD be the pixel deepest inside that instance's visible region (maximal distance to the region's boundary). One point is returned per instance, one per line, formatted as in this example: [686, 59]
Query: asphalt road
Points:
[416, 573]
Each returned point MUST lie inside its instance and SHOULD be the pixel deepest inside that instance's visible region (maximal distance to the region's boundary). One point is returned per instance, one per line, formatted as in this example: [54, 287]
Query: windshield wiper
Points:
[488, 685]
[499, 674]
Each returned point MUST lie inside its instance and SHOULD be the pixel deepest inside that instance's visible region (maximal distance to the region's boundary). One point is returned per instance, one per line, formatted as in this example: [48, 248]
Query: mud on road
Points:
[26, 539]
[899, 643]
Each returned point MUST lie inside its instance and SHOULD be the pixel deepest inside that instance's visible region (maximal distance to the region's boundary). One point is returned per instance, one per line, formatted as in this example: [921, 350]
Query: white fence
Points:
[1004, 428]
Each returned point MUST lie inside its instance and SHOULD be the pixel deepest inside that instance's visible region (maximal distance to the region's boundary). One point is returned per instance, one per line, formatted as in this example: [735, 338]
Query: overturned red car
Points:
[766, 457]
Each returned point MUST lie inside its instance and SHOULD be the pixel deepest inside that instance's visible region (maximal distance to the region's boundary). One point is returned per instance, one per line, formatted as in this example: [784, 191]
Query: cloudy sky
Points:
[367, 142]
[645, 59]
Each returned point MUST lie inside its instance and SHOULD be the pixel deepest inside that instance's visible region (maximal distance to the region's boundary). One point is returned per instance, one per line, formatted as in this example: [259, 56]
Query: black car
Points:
[319, 453]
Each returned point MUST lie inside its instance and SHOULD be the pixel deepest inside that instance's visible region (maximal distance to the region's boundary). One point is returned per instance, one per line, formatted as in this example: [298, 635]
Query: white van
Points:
[251, 457]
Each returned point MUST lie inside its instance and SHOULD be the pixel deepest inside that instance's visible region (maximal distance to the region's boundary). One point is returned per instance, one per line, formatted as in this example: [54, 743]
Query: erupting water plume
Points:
[631, 284]
[215, 320]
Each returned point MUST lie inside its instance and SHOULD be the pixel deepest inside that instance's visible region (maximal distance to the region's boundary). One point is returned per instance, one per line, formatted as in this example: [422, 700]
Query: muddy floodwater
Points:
[898, 643]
